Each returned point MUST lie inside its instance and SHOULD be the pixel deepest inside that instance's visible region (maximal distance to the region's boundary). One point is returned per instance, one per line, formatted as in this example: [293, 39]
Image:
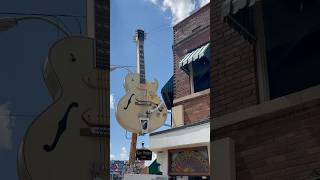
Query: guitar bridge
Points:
[143, 103]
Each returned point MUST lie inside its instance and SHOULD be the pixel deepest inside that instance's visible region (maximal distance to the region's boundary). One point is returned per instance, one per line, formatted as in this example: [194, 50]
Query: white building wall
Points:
[162, 159]
[187, 137]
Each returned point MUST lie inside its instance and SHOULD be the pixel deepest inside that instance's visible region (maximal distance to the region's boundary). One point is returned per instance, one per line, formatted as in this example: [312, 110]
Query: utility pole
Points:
[133, 148]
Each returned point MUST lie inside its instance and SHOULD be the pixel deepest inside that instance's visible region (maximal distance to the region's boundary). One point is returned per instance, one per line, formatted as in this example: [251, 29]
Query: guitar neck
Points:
[140, 37]
[98, 27]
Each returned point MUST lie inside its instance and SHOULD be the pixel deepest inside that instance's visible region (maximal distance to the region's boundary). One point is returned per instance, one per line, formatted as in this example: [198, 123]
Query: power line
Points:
[17, 115]
[42, 14]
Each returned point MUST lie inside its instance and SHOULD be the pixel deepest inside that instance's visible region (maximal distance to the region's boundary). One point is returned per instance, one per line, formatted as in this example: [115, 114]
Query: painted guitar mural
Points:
[140, 110]
[69, 139]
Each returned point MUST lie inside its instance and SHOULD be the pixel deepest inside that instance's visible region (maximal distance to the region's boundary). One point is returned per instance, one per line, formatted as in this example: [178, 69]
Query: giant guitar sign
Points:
[140, 110]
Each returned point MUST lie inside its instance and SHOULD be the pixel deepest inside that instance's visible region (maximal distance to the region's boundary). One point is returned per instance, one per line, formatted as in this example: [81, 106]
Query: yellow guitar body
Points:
[139, 101]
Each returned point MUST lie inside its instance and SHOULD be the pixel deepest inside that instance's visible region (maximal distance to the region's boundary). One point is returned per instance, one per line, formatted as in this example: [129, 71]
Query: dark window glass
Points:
[292, 30]
[201, 75]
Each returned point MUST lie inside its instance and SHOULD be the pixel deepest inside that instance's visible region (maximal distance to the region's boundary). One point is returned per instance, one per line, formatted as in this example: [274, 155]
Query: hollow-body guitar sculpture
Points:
[140, 110]
[69, 140]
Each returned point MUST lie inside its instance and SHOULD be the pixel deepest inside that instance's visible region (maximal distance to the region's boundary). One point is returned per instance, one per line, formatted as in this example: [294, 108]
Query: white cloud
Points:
[112, 157]
[203, 2]
[111, 101]
[6, 124]
[154, 1]
[180, 9]
[124, 154]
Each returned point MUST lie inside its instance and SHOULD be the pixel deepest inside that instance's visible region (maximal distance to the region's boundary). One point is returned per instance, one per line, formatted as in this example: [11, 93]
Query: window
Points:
[292, 31]
[199, 75]
[196, 65]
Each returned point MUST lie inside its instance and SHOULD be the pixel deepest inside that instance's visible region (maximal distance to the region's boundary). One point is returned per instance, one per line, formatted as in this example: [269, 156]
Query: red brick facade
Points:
[282, 145]
[233, 70]
[190, 34]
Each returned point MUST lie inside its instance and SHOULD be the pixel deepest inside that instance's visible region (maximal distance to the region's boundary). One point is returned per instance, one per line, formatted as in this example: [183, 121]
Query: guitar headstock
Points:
[140, 35]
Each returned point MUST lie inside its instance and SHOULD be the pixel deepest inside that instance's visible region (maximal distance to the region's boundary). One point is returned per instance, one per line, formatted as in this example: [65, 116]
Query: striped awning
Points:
[203, 51]
[233, 6]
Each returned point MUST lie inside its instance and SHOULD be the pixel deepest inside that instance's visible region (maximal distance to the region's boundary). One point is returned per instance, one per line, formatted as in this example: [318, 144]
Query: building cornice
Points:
[192, 36]
[268, 107]
[204, 121]
[191, 96]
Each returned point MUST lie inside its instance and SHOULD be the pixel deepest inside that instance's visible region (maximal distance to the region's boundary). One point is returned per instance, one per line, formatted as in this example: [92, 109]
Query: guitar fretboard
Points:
[101, 16]
[140, 37]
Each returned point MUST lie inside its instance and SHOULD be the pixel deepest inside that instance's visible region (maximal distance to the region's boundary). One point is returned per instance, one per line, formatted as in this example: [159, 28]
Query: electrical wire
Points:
[56, 16]
[42, 14]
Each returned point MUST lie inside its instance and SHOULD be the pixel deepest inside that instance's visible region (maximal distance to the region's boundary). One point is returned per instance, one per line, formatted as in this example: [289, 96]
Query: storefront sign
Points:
[144, 154]
[189, 162]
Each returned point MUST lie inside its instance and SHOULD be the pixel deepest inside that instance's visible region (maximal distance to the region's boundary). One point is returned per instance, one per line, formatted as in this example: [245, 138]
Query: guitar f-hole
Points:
[62, 126]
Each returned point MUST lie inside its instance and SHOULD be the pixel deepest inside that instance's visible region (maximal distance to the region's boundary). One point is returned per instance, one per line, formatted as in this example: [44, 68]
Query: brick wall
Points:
[181, 79]
[190, 34]
[233, 70]
[196, 109]
[195, 22]
[283, 145]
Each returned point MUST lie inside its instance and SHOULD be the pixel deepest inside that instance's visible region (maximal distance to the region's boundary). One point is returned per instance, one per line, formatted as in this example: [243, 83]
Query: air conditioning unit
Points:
[177, 116]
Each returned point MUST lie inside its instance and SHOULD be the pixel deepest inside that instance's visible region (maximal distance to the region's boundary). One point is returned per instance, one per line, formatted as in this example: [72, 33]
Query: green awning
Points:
[233, 6]
[200, 53]
[167, 93]
[154, 168]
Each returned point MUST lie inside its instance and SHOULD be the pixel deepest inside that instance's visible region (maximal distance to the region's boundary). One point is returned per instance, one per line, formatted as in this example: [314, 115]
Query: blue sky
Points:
[156, 17]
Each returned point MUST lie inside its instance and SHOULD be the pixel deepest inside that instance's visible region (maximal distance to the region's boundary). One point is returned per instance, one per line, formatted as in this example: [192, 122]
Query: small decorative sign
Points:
[144, 154]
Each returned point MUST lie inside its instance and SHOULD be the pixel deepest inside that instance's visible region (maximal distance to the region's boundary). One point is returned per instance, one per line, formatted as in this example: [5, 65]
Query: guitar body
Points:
[53, 147]
[131, 106]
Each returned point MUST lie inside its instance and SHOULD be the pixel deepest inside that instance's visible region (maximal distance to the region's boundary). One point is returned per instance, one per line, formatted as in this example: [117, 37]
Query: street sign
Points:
[144, 154]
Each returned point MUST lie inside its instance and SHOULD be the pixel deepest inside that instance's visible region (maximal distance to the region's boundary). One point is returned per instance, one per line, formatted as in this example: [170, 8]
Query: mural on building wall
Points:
[189, 161]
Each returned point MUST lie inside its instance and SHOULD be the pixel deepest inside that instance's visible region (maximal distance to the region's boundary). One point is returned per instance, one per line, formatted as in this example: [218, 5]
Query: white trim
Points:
[274, 105]
[193, 136]
[224, 165]
[261, 58]
[90, 20]
[191, 96]
[191, 78]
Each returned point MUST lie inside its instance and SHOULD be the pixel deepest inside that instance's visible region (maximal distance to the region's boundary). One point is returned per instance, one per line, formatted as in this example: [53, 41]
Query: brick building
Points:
[265, 89]
[183, 150]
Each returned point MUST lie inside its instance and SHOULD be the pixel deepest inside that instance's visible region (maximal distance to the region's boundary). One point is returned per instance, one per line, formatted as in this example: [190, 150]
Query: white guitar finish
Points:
[128, 111]
[70, 60]
[141, 100]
